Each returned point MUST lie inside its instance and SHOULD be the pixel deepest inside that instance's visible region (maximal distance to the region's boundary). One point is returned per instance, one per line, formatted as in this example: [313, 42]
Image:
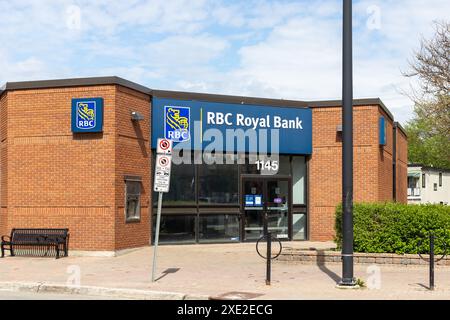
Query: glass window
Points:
[176, 229]
[218, 228]
[182, 186]
[298, 179]
[435, 187]
[423, 181]
[218, 183]
[299, 226]
[440, 179]
[285, 166]
[132, 199]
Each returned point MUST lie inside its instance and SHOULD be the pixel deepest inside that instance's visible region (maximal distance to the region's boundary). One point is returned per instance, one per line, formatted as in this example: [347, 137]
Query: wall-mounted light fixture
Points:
[136, 116]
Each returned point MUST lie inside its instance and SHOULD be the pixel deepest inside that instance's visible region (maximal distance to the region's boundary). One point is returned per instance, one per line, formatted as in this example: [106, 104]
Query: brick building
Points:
[96, 178]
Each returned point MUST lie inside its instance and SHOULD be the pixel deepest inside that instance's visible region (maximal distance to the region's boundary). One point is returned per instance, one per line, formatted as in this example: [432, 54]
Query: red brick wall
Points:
[3, 164]
[51, 177]
[325, 167]
[372, 165]
[57, 178]
[402, 167]
[133, 156]
[385, 173]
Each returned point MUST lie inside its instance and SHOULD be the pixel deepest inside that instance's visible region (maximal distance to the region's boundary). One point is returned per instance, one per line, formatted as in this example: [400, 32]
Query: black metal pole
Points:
[269, 257]
[431, 261]
[347, 148]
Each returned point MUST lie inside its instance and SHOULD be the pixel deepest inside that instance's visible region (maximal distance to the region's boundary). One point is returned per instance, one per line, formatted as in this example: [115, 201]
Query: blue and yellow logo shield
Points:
[177, 123]
[86, 115]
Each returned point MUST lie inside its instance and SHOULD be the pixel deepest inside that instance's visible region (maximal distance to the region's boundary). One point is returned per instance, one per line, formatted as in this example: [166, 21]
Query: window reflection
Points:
[218, 228]
[218, 183]
[182, 186]
[176, 229]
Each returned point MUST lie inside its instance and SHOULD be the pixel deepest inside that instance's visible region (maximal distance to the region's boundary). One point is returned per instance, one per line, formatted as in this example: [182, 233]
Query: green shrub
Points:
[396, 228]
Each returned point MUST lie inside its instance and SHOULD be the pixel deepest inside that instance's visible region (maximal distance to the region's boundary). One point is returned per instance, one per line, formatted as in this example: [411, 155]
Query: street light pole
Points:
[347, 149]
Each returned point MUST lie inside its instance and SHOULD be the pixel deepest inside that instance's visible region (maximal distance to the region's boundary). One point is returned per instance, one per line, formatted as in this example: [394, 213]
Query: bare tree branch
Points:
[431, 65]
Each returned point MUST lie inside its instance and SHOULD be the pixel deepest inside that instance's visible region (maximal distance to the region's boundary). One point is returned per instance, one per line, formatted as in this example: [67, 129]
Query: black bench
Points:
[42, 242]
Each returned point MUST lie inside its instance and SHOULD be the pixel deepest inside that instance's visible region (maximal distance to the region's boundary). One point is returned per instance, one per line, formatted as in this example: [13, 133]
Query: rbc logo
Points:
[86, 112]
[87, 115]
[177, 123]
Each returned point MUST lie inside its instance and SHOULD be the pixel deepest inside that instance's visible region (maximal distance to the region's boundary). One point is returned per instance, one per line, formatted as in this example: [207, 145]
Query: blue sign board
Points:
[382, 131]
[199, 125]
[87, 115]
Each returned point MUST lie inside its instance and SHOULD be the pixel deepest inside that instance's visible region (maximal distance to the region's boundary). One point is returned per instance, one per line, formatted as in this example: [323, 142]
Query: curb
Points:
[135, 294]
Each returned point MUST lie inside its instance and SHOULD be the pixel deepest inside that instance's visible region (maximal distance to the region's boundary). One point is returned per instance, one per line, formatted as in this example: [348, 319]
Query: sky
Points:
[263, 48]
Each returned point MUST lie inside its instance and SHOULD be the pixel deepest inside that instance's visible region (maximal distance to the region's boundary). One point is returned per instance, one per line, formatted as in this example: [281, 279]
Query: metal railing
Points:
[431, 258]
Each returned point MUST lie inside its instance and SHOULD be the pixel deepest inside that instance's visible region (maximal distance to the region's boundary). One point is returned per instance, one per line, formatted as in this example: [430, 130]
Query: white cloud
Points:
[29, 68]
[282, 49]
[229, 15]
[301, 57]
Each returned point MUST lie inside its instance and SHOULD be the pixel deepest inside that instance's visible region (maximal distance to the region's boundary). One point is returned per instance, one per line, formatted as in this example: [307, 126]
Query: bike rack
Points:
[431, 259]
[269, 238]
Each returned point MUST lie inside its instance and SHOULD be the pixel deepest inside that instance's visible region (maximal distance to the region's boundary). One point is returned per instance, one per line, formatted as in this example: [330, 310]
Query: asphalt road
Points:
[13, 295]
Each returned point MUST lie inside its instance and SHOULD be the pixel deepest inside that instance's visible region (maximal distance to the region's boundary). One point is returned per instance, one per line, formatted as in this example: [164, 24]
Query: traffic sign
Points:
[164, 146]
[162, 173]
[161, 185]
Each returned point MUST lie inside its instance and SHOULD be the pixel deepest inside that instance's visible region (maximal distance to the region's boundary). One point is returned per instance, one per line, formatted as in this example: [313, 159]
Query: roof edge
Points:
[356, 102]
[422, 166]
[114, 80]
[180, 95]
[400, 127]
[74, 82]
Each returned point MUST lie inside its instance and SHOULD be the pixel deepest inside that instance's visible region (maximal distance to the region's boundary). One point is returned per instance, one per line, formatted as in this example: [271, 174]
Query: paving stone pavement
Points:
[231, 270]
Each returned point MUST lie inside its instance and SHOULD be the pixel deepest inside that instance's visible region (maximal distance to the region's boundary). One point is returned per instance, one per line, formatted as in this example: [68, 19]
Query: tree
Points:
[426, 147]
[429, 131]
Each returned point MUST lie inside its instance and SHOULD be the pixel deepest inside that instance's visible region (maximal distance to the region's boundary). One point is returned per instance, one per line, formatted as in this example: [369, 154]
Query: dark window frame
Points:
[440, 179]
[129, 197]
[424, 185]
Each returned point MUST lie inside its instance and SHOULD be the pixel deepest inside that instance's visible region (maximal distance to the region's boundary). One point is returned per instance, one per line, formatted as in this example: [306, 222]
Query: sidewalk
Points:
[199, 271]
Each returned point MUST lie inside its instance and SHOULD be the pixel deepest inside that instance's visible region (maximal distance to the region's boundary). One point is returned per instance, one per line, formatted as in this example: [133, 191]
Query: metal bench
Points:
[41, 242]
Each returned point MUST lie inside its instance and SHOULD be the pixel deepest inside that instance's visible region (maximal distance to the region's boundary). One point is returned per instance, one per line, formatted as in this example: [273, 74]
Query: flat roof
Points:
[429, 168]
[113, 80]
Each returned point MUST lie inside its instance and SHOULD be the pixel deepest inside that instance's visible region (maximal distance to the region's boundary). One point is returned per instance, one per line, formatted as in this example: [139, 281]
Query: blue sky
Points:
[281, 49]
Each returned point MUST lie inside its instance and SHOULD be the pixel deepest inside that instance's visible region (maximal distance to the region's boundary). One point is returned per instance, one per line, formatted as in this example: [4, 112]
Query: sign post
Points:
[161, 185]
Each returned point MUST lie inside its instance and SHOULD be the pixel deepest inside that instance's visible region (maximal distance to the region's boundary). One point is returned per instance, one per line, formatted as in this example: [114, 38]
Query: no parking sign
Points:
[161, 185]
[164, 146]
[162, 173]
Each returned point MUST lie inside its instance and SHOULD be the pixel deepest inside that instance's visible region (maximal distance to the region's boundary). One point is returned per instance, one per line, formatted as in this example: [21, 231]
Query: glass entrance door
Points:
[253, 204]
[266, 206]
[277, 208]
